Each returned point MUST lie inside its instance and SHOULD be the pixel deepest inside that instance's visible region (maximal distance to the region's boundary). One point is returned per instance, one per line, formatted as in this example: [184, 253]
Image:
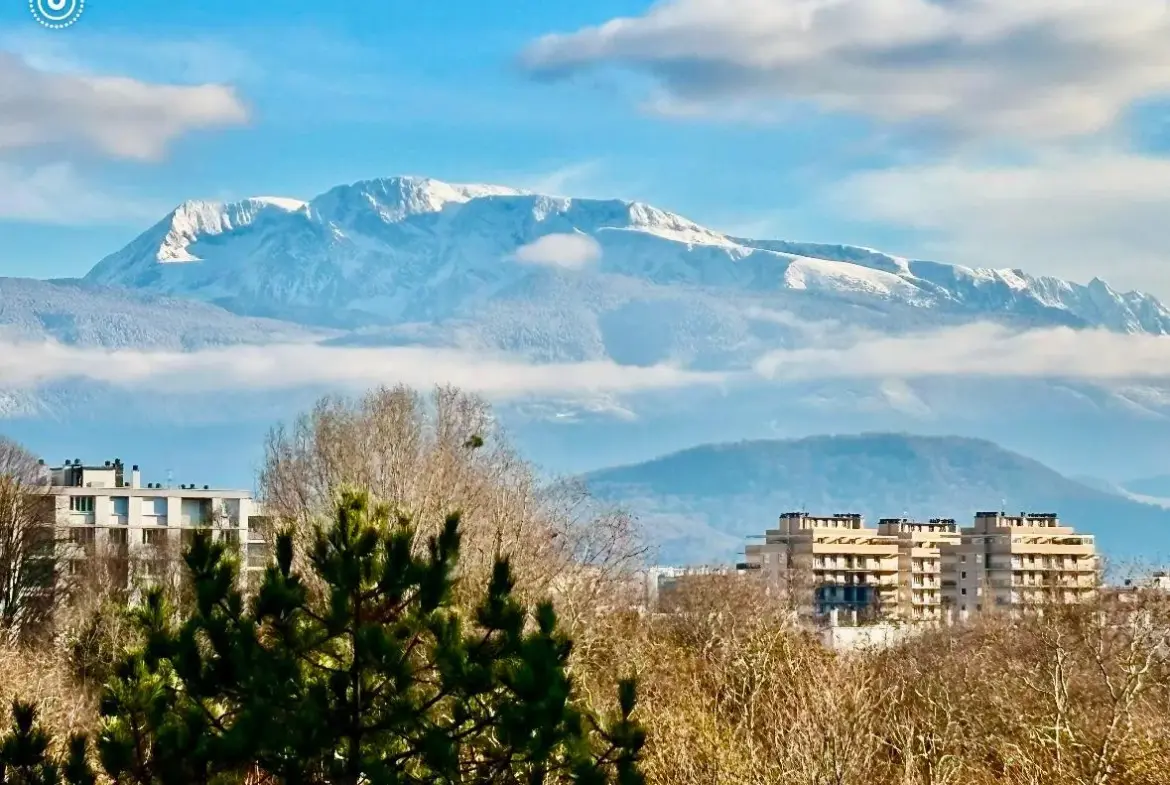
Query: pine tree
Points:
[381, 680]
[25, 758]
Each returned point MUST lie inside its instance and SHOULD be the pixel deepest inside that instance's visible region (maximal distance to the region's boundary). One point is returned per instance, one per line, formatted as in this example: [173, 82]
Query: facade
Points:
[830, 563]
[835, 568]
[105, 509]
[1015, 562]
[920, 564]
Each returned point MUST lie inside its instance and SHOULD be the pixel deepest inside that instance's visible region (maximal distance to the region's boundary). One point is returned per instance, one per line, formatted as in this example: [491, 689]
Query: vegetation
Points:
[27, 567]
[391, 641]
[378, 680]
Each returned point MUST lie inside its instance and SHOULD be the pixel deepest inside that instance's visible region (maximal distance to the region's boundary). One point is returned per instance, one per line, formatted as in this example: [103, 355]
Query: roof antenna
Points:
[170, 478]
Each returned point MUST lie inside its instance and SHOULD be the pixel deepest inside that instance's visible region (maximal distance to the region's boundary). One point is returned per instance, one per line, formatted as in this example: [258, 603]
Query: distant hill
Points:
[1157, 486]
[700, 504]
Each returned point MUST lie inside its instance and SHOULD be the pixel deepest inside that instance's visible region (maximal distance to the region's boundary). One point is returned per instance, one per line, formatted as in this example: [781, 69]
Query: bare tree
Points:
[28, 585]
[429, 458]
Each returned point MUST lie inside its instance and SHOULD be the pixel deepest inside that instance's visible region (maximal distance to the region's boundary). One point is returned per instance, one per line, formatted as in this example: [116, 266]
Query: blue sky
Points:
[985, 132]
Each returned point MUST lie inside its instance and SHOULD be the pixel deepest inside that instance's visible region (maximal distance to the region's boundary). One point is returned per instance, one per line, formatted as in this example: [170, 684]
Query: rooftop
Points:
[74, 473]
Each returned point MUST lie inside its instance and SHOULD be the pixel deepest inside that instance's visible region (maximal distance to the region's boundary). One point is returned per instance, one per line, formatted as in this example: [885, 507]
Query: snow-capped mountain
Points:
[381, 253]
[499, 271]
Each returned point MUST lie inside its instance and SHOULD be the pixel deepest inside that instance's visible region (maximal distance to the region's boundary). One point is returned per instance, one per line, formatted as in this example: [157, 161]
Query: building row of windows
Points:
[191, 510]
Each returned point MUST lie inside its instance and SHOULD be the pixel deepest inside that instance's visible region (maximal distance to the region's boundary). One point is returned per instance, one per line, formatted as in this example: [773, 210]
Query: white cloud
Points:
[1077, 215]
[570, 251]
[117, 116]
[25, 365]
[56, 194]
[978, 350]
[1038, 69]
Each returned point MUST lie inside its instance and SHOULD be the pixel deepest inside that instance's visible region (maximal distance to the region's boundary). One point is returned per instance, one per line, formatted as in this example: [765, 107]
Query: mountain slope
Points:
[399, 250]
[79, 313]
[700, 504]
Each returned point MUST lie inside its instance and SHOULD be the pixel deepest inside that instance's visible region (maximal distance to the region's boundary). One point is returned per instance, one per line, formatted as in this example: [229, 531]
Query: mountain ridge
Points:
[700, 504]
[370, 247]
[475, 268]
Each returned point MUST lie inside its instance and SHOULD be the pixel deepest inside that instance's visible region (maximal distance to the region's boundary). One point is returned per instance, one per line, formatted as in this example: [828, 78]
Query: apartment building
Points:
[921, 565]
[828, 563]
[1010, 563]
[106, 509]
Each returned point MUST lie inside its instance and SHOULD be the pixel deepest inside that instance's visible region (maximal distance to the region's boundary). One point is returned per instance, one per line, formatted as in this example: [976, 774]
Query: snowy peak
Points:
[394, 199]
[414, 248]
[170, 240]
[195, 219]
[673, 227]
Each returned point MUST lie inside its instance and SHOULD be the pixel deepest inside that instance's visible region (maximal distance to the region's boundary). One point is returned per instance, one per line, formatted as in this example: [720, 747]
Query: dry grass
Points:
[43, 676]
[732, 692]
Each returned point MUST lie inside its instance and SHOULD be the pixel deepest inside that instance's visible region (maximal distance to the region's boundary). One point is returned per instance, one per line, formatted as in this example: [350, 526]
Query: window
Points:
[81, 503]
[155, 537]
[257, 554]
[81, 536]
[963, 592]
[118, 536]
[963, 576]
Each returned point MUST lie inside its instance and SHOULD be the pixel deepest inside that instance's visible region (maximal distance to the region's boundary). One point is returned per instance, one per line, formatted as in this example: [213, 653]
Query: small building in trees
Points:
[140, 529]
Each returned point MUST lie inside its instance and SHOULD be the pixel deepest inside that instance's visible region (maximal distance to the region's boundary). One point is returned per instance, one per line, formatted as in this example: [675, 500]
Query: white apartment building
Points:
[921, 564]
[106, 509]
[1014, 562]
[828, 563]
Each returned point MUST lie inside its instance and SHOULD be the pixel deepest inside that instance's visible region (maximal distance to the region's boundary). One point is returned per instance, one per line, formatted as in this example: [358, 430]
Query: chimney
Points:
[135, 477]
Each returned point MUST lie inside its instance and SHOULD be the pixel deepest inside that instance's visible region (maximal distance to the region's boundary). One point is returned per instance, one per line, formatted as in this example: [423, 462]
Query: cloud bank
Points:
[1045, 69]
[971, 351]
[977, 350]
[26, 365]
[115, 116]
[569, 251]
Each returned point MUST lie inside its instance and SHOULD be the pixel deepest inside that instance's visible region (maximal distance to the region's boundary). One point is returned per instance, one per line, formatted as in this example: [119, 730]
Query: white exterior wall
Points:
[152, 509]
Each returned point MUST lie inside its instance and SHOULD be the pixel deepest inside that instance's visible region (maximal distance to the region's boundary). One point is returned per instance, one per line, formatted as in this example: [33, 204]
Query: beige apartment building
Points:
[924, 571]
[1011, 563]
[921, 565]
[105, 509]
[830, 563]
